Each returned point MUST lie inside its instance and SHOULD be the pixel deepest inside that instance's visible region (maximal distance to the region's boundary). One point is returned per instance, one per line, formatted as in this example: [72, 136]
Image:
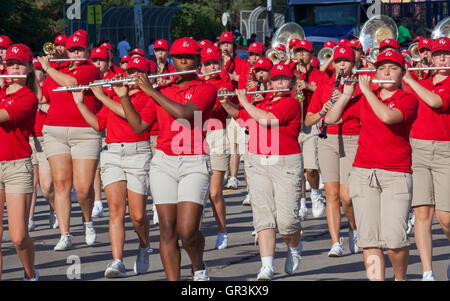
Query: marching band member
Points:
[60, 46]
[5, 42]
[430, 140]
[389, 44]
[41, 167]
[216, 137]
[180, 169]
[256, 50]
[18, 106]
[274, 171]
[112, 68]
[234, 65]
[327, 66]
[308, 79]
[71, 145]
[205, 43]
[424, 47]
[125, 165]
[124, 62]
[381, 181]
[355, 44]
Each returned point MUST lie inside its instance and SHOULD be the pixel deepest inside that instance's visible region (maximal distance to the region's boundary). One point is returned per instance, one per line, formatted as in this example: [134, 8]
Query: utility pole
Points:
[270, 16]
[138, 24]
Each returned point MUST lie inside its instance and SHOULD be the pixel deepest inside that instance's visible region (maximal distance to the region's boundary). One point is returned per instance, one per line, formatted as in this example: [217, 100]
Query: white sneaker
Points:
[31, 225]
[155, 215]
[318, 206]
[64, 243]
[246, 201]
[90, 234]
[35, 278]
[410, 231]
[321, 184]
[336, 250]
[307, 186]
[428, 276]
[202, 275]
[292, 264]
[352, 240]
[303, 211]
[53, 220]
[222, 241]
[115, 269]
[142, 262]
[232, 183]
[265, 273]
[97, 211]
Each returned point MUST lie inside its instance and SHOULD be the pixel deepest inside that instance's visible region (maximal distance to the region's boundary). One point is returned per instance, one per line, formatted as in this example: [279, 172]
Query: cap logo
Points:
[260, 61]
[76, 39]
[209, 50]
[59, 38]
[388, 53]
[185, 44]
[441, 90]
[1, 40]
[342, 50]
[15, 50]
[442, 41]
[280, 67]
[302, 42]
[254, 45]
[188, 96]
[425, 41]
[159, 43]
[98, 50]
[136, 61]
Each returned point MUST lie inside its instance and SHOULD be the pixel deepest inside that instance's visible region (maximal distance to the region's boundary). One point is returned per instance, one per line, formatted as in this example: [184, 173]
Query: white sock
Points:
[315, 192]
[267, 261]
[303, 202]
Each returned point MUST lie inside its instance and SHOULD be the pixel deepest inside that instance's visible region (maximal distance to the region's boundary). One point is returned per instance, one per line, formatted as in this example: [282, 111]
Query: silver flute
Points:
[12, 76]
[62, 60]
[252, 92]
[409, 69]
[376, 81]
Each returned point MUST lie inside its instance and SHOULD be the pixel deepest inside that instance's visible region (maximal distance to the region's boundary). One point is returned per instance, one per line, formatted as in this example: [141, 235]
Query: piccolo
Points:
[409, 69]
[12, 76]
[376, 81]
[210, 73]
[62, 60]
[252, 92]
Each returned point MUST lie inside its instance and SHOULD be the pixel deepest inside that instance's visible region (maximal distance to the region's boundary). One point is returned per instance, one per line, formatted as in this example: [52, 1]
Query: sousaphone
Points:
[374, 31]
[284, 35]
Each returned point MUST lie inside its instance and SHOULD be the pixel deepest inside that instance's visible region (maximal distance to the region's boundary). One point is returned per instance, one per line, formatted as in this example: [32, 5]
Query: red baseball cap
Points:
[342, 42]
[257, 47]
[389, 43]
[185, 46]
[5, 42]
[425, 43]
[293, 42]
[263, 63]
[211, 53]
[355, 43]
[20, 52]
[226, 37]
[280, 47]
[140, 63]
[205, 43]
[315, 62]
[161, 44]
[281, 70]
[100, 53]
[124, 58]
[77, 41]
[406, 51]
[136, 51]
[329, 44]
[417, 39]
[107, 46]
[60, 40]
[441, 44]
[304, 44]
[392, 56]
[344, 52]
[83, 33]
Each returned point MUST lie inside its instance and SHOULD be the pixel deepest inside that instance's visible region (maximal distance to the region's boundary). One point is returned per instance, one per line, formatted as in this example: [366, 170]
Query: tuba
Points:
[284, 35]
[414, 50]
[442, 29]
[374, 31]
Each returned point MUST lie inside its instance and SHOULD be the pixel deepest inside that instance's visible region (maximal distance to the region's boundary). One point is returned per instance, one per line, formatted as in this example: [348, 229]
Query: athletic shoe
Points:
[115, 269]
[232, 183]
[31, 225]
[303, 211]
[321, 184]
[53, 220]
[155, 215]
[97, 211]
[336, 250]
[89, 233]
[64, 243]
[142, 262]
[352, 240]
[202, 275]
[428, 276]
[246, 201]
[265, 273]
[292, 264]
[35, 278]
[318, 206]
[222, 241]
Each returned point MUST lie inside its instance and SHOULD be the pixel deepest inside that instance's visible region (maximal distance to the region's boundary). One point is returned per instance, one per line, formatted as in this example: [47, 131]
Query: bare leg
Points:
[347, 206]
[399, 259]
[137, 207]
[116, 194]
[422, 231]
[83, 181]
[333, 210]
[374, 263]
[169, 248]
[217, 200]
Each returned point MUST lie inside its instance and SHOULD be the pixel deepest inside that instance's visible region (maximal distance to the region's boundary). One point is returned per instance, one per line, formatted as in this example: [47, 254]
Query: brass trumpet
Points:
[48, 48]
[414, 50]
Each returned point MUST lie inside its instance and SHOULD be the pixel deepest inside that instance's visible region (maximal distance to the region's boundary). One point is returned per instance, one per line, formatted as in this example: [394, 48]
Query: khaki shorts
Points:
[176, 179]
[381, 203]
[308, 139]
[218, 149]
[336, 156]
[16, 176]
[275, 188]
[236, 135]
[128, 162]
[431, 173]
[38, 156]
[79, 142]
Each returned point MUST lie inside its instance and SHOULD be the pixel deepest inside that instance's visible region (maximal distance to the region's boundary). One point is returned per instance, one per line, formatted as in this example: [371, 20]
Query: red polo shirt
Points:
[118, 129]
[219, 113]
[238, 65]
[184, 137]
[64, 111]
[433, 124]
[380, 145]
[14, 134]
[321, 96]
[274, 140]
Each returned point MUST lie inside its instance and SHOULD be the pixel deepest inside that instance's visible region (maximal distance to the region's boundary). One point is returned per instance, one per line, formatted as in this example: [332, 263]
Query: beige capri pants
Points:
[16, 176]
[274, 184]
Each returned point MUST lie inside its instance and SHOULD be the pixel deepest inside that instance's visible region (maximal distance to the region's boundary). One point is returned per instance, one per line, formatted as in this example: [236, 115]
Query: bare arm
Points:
[262, 117]
[90, 117]
[227, 105]
[431, 99]
[114, 106]
[4, 116]
[60, 78]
